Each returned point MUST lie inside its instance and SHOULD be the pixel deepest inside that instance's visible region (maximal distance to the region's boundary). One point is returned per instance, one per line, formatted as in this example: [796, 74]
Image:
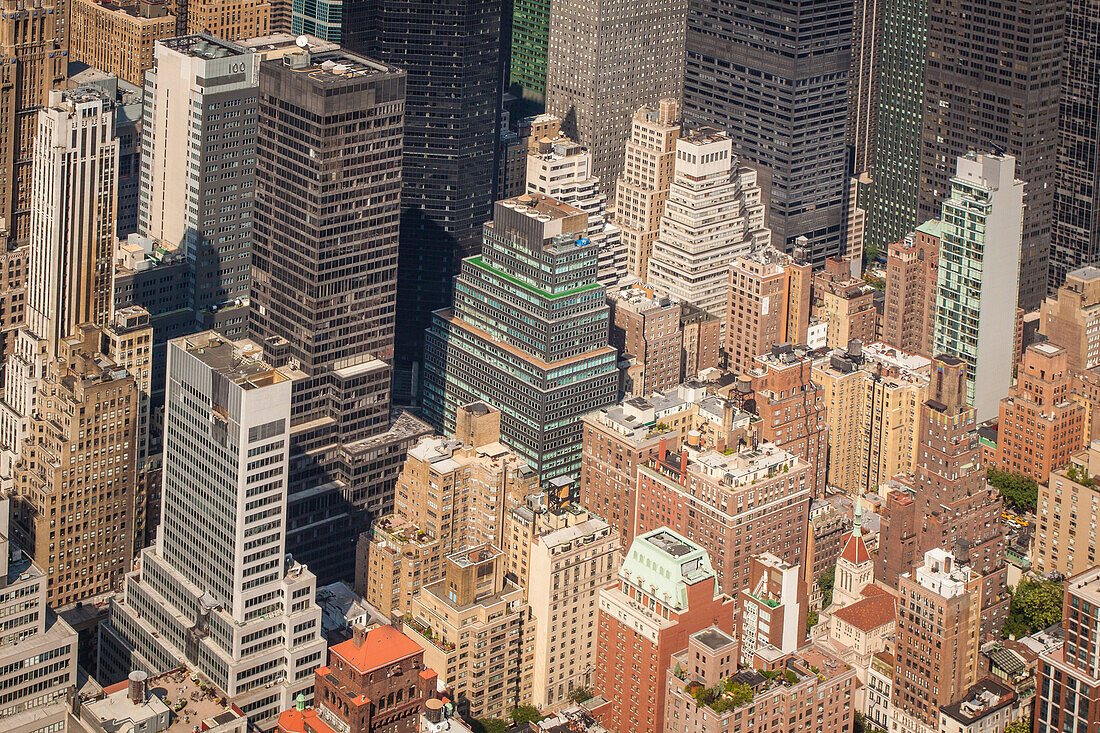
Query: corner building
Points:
[528, 334]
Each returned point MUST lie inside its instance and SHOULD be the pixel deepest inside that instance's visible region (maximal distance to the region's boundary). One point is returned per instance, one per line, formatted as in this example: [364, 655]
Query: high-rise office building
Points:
[532, 342]
[198, 170]
[37, 649]
[782, 95]
[980, 91]
[899, 118]
[642, 187]
[118, 39]
[323, 286]
[31, 47]
[1075, 229]
[713, 215]
[768, 303]
[454, 60]
[319, 18]
[530, 38]
[979, 261]
[218, 592]
[605, 60]
[562, 169]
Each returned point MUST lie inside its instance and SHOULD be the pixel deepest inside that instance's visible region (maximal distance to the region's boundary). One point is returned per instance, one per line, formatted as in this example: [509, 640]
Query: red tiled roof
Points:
[855, 551]
[302, 721]
[382, 646]
[874, 590]
[869, 613]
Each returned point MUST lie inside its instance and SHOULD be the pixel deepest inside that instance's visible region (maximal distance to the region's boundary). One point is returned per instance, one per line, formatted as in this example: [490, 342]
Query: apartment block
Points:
[76, 485]
[643, 185]
[809, 690]
[568, 568]
[1071, 318]
[912, 266]
[451, 494]
[701, 341]
[476, 631]
[979, 253]
[666, 590]
[771, 608]
[938, 634]
[229, 21]
[645, 328]
[768, 303]
[530, 342]
[714, 214]
[37, 649]
[1068, 677]
[843, 301]
[118, 38]
[1040, 425]
[791, 408]
[1068, 504]
[376, 679]
[737, 506]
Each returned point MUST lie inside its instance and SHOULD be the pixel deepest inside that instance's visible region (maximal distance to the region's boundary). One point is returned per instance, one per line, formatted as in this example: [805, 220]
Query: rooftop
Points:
[203, 46]
[331, 68]
[869, 613]
[713, 638]
[982, 699]
[192, 703]
[241, 362]
[379, 647]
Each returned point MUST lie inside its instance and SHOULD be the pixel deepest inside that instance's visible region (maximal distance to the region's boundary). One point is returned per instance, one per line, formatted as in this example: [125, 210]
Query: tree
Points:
[1035, 605]
[523, 714]
[1023, 725]
[584, 694]
[825, 583]
[1019, 491]
[859, 723]
[811, 621]
[488, 725]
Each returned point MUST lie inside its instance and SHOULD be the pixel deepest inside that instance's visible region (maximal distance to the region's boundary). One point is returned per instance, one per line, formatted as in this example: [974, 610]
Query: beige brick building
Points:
[1067, 511]
[234, 21]
[911, 270]
[118, 37]
[1071, 318]
[643, 185]
[646, 329]
[845, 303]
[475, 629]
[451, 494]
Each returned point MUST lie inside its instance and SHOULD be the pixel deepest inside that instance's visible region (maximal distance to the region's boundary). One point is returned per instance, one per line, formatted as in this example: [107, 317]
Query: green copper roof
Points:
[664, 564]
[932, 227]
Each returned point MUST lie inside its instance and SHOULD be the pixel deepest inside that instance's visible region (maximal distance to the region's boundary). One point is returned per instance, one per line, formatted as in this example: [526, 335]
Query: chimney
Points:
[683, 466]
[137, 687]
[358, 634]
[663, 451]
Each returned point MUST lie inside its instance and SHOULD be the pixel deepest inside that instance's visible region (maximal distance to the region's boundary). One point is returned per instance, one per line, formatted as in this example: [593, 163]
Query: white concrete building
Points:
[978, 277]
[562, 169]
[714, 214]
[217, 592]
[37, 649]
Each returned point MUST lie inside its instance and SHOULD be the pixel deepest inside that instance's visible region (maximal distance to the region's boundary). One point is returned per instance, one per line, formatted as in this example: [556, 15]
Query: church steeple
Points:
[854, 568]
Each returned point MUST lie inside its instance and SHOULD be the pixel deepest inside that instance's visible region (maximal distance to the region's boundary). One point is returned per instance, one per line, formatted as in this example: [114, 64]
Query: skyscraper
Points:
[324, 252]
[218, 592]
[979, 263]
[530, 38]
[453, 55]
[1075, 228]
[1068, 696]
[606, 59]
[782, 95]
[31, 48]
[198, 174]
[713, 215]
[530, 341]
[643, 185]
[981, 91]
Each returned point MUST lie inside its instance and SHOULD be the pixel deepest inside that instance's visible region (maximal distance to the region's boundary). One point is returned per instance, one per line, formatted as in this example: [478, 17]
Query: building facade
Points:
[118, 39]
[1070, 318]
[1067, 492]
[646, 329]
[544, 370]
[1068, 678]
[912, 267]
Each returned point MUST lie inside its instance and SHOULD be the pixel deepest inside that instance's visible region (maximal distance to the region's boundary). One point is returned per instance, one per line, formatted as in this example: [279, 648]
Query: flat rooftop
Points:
[116, 712]
[670, 544]
[534, 204]
[713, 638]
[332, 68]
[204, 46]
[240, 362]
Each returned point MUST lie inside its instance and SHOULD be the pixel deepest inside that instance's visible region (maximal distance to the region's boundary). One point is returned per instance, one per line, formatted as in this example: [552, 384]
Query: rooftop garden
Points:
[741, 689]
[428, 633]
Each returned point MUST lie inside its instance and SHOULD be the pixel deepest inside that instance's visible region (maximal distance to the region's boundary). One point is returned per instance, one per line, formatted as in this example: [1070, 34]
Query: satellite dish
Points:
[302, 42]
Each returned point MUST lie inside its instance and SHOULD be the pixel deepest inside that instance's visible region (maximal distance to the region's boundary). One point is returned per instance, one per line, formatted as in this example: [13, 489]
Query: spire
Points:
[857, 515]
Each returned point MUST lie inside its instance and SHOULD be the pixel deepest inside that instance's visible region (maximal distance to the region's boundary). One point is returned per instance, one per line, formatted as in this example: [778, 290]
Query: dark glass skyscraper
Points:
[994, 79]
[780, 89]
[328, 184]
[453, 53]
[1075, 237]
[530, 36]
